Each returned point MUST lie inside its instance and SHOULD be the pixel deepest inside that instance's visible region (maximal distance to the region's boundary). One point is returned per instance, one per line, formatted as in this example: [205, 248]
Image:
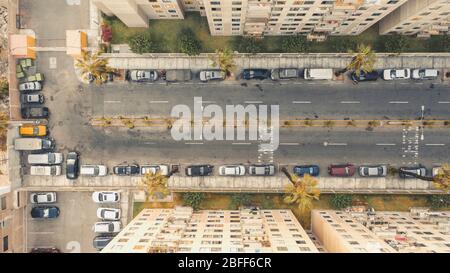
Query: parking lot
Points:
[71, 231]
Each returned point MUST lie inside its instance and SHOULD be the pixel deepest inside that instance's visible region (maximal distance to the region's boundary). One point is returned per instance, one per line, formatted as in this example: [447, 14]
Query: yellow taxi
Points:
[32, 130]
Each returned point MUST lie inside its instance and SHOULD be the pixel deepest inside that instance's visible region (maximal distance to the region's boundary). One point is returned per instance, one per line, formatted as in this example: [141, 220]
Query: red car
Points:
[343, 170]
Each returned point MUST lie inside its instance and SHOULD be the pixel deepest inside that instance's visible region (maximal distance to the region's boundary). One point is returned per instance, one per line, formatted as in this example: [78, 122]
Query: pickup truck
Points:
[33, 144]
[178, 75]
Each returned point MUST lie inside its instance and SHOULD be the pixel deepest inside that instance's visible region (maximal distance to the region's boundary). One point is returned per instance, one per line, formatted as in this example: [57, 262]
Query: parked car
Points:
[199, 170]
[101, 241]
[284, 73]
[343, 170]
[44, 212]
[232, 170]
[30, 130]
[43, 197]
[72, 165]
[373, 171]
[33, 144]
[108, 213]
[107, 227]
[417, 170]
[396, 74]
[45, 170]
[162, 169]
[312, 170]
[30, 86]
[31, 112]
[45, 159]
[105, 197]
[126, 169]
[262, 170]
[424, 74]
[93, 170]
[143, 75]
[318, 74]
[211, 75]
[45, 250]
[31, 98]
[258, 74]
[365, 76]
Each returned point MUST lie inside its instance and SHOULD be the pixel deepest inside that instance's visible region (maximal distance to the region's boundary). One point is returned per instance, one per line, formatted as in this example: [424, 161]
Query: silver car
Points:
[261, 170]
[373, 171]
[43, 197]
[232, 170]
[209, 75]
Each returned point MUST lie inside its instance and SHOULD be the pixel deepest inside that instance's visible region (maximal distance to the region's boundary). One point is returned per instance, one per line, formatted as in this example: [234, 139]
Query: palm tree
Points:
[302, 191]
[94, 67]
[155, 185]
[442, 179]
[224, 60]
[364, 59]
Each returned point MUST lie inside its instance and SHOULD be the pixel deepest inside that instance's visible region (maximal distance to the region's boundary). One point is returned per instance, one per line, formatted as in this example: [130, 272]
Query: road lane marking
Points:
[159, 101]
[334, 144]
[208, 101]
[193, 143]
[149, 143]
[112, 101]
[399, 102]
[348, 102]
[386, 144]
[301, 102]
[241, 143]
[289, 144]
[444, 102]
[41, 232]
[253, 102]
[435, 144]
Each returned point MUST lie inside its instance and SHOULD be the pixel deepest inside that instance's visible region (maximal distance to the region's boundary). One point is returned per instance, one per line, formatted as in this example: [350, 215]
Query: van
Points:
[93, 170]
[45, 170]
[45, 159]
[318, 74]
[29, 130]
[33, 144]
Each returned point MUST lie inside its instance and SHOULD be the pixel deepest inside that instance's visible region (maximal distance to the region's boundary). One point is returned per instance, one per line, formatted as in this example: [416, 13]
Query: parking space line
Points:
[300, 102]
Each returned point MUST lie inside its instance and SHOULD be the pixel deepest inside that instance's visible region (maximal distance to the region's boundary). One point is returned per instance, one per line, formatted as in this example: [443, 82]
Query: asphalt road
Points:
[305, 99]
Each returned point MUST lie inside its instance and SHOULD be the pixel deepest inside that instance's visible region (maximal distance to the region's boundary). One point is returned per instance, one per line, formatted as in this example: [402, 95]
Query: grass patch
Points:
[275, 201]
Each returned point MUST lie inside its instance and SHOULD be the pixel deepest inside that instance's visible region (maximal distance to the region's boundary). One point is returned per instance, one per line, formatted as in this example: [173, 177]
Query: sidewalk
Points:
[272, 60]
[242, 184]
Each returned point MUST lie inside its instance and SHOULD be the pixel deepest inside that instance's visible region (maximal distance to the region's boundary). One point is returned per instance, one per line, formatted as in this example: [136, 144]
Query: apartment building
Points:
[136, 13]
[357, 230]
[421, 17]
[315, 18]
[248, 230]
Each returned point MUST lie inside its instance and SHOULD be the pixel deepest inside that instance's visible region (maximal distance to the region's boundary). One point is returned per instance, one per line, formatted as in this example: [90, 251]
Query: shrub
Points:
[241, 199]
[188, 43]
[142, 43]
[342, 44]
[294, 44]
[4, 88]
[341, 201]
[438, 201]
[439, 43]
[247, 45]
[193, 199]
[393, 43]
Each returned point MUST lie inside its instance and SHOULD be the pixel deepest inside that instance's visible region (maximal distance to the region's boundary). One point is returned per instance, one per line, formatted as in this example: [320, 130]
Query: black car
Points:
[258, 74]
[365, 76]
[101, 241]
[31, 112]
[72, 165]
[45, 212]
[126, 169]
[199, 170]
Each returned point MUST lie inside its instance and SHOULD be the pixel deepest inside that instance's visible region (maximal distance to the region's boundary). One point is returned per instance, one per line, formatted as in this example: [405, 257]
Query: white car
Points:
[30, 86]
[396, 74]
[424, 74]
[105, 197]
[435, 171]
[43, 197]
[232, 170]
[108, 213]
[107, 227]
[208, 75]
[143, 75]
[93, 170]
[45, 170]
[162, 169]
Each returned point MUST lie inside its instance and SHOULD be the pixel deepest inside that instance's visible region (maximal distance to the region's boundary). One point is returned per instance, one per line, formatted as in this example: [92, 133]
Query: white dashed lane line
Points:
[444, 102]
[398, 102]
[301, 102]
[253, 102]
[434, 144]
[112, 101]
[386, 144]
[193, 143]
[289, 144]
[349, 102]
[159, 101]
[241, 143]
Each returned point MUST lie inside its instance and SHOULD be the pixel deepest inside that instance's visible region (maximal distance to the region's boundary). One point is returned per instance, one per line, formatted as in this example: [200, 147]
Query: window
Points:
[3, 203]
[5, 244]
